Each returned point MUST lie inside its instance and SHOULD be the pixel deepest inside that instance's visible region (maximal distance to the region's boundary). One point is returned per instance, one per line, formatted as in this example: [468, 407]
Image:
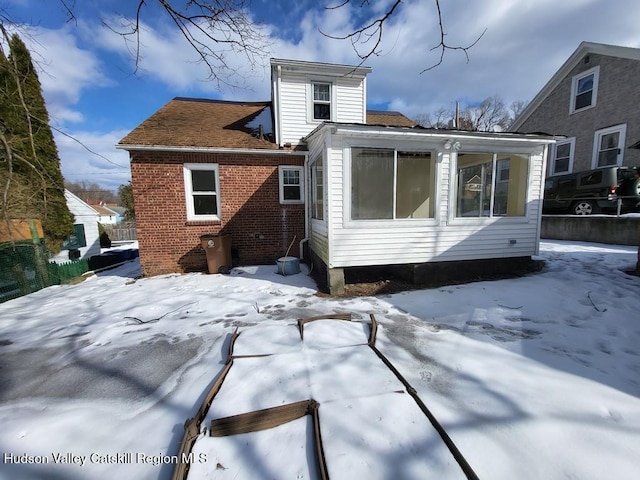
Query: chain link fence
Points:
[25, 268]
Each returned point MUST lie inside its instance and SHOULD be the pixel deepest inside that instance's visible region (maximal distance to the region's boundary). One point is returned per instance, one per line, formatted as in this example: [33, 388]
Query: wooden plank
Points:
[18, 230]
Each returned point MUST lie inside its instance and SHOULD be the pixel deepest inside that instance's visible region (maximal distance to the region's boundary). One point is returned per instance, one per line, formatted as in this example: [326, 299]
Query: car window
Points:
[593, 178]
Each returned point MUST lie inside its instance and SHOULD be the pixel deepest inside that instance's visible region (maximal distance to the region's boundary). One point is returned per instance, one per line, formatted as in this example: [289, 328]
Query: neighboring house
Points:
[119, 212]
[313, 166]
[86, 240]
[592, 100]
[107, 216]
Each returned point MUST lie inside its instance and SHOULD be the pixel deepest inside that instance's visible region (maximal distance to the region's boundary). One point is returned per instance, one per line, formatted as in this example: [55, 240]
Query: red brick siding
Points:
[261, 228]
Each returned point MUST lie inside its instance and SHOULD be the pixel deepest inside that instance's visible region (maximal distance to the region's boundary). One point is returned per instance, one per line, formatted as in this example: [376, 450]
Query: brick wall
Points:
[617, 103]
[261, 228]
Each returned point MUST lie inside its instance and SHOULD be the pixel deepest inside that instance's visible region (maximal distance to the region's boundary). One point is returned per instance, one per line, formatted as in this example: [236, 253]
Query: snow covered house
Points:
[314, 168]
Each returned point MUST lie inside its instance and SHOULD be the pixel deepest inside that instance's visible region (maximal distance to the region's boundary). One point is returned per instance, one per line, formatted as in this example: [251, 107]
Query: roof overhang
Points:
[315, 68]
[433, 135]
[243, 151]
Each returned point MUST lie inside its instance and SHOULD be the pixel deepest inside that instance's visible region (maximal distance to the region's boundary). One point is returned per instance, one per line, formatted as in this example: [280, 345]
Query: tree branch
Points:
[443, 46]
[213, 28]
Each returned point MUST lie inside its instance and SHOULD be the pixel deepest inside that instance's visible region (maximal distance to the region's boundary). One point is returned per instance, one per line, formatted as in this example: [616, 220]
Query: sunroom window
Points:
[491, 185]
[389, 184]
[317, 184]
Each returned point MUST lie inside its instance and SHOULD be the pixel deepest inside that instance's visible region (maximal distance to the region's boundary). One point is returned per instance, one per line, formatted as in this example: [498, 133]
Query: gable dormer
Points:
[305, 94]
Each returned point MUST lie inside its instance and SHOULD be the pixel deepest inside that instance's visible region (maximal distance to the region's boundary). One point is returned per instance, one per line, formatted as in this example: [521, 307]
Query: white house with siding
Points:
[388, 195]
[86, 223]
[305, 94]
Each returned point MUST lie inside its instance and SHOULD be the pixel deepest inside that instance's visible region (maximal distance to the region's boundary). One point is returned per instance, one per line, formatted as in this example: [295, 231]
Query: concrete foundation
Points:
[335, 281]
[601, 229]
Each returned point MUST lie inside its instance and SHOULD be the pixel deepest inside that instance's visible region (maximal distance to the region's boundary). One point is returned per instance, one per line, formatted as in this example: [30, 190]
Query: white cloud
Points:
[65, 70]
[92, 156]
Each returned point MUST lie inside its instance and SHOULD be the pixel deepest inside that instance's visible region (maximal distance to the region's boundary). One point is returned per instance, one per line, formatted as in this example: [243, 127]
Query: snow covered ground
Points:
[535, 377]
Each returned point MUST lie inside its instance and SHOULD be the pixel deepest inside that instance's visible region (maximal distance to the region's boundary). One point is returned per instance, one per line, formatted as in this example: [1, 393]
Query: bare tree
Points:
[440, 118]
[367, 38]
[516, 108]
[489, 115]
[215, 29]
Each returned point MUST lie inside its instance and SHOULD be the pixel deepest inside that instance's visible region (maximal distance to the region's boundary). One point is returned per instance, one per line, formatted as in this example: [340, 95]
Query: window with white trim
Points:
[608, 146]
[584, 90]
[491, 184]
[321, 93]
[291, 184]
[317, 184]
[201, 184]
[391, 184]
[562, 156]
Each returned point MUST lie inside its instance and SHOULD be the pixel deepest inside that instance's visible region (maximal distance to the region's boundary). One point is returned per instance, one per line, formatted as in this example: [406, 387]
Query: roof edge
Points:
[583, 49]
[178, 148]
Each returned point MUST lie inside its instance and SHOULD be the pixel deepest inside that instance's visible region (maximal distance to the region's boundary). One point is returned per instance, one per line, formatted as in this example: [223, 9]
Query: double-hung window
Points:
[391, 184]
[608, 146]
[291, 184]
[491, 185]
[201, 185]
[584, 90]
[562, 156]
[321, 93]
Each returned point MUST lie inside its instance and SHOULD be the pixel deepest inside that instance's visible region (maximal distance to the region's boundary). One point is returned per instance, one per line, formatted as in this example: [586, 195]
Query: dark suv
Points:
[591, 191]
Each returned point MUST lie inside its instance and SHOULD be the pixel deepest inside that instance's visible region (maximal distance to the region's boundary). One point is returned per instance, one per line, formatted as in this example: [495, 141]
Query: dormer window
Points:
[322, 101]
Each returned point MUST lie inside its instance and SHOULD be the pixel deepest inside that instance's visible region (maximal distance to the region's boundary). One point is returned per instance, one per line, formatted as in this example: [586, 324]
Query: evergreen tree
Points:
[125, 192]
[37, 184]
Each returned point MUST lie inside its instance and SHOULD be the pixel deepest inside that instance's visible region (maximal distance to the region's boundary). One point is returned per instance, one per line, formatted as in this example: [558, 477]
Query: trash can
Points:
[218, 250]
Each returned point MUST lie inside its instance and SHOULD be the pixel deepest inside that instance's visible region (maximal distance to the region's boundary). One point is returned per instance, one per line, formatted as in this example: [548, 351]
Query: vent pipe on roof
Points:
[260, 132]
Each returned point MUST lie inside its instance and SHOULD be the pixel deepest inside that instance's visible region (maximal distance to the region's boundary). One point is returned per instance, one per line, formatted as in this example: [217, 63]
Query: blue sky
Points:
[95, 95]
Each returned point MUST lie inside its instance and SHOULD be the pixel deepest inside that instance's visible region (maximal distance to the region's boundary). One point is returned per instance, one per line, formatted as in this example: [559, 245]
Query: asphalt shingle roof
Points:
[189, 122]
[201, 123]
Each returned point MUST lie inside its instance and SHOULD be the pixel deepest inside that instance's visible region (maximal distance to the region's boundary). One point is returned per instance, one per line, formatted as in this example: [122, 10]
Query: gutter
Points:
[169, 148]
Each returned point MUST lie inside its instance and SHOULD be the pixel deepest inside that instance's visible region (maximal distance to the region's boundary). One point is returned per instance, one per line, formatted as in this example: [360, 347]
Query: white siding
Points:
[350, 100]
[296, 105]
[318, 231]
[293, 114]
[87, 216]
[443, 238]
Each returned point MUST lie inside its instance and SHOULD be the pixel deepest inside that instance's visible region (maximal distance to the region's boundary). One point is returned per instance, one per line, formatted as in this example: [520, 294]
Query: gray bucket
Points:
[288, 265]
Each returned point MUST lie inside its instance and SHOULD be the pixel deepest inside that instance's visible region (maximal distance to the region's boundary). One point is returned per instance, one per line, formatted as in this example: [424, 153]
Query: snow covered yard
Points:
[535, 377]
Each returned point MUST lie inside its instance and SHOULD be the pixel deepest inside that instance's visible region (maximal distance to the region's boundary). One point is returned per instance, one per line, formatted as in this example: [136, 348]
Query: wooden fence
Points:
[121, 232]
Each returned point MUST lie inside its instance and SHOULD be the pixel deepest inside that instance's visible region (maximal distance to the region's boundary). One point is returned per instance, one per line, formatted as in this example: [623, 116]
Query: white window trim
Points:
[348, 222]
[504, 219]
[572, 151]
[314, 188]
[311, 101]
[574, 89]
[622, 128]
[281, 169]
[188, 190]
